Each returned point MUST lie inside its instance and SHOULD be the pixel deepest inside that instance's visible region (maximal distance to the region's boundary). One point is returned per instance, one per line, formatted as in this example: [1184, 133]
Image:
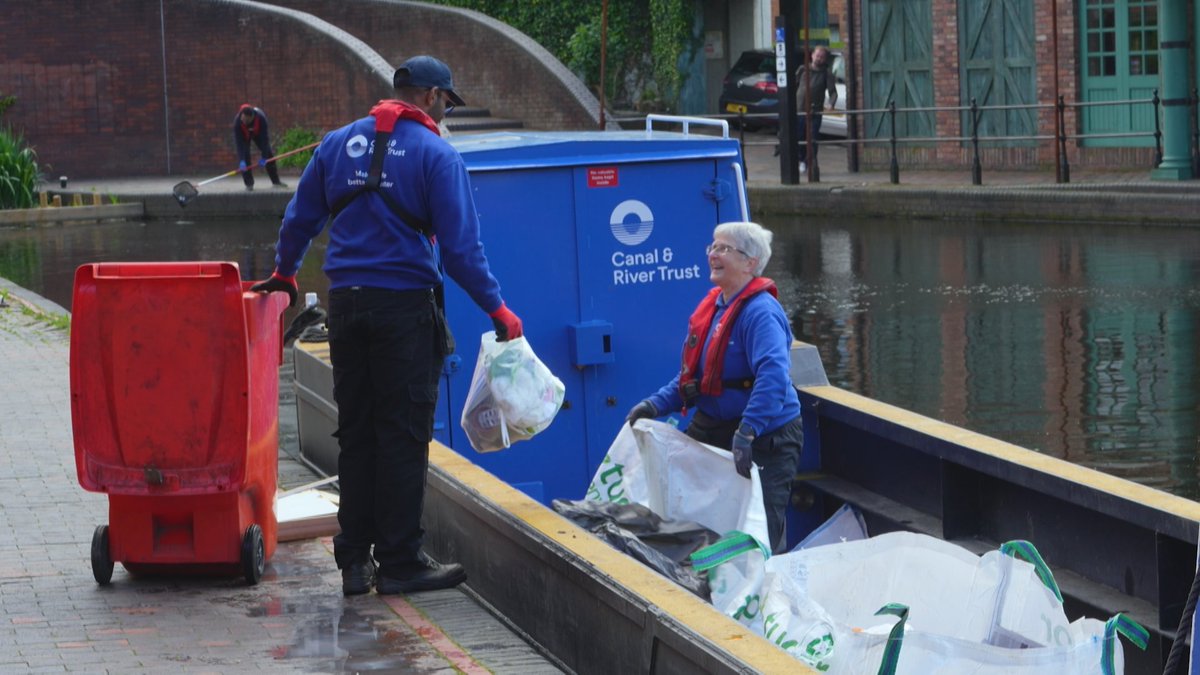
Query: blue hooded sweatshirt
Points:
[369, 245]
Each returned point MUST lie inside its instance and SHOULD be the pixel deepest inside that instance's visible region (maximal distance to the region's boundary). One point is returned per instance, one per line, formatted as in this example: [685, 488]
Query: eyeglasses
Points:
[446, 99]
[721, 249]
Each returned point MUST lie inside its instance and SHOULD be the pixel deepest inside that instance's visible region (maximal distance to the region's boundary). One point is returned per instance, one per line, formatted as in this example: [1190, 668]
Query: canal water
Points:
[1076, 341]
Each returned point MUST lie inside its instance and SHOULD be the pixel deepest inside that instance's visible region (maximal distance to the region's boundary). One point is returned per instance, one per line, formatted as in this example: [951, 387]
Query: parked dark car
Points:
[750, 88]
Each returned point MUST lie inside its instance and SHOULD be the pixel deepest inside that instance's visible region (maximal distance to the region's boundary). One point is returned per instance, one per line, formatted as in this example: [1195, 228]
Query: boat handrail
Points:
[743, 205]
[686, 122]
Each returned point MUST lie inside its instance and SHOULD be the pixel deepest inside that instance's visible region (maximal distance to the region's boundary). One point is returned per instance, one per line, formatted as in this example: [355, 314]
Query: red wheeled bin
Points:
[175, 409]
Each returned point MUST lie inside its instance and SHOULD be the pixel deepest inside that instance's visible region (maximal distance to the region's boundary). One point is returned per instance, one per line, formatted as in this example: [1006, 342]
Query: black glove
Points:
[278, 282]
[743, 439]
[645, 409]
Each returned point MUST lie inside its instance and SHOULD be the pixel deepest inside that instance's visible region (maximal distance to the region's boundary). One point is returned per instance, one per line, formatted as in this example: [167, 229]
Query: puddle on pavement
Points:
[347, 639]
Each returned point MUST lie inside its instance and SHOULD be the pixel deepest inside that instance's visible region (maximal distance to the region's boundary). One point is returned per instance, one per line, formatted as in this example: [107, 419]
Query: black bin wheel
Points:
[102, 562]
[254, 555]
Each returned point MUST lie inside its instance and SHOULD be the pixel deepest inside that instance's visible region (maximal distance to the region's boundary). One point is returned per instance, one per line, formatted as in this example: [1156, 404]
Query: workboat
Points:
[596, 261]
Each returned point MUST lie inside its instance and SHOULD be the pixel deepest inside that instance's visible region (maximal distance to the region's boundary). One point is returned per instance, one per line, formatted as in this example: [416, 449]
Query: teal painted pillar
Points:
[1173, 47]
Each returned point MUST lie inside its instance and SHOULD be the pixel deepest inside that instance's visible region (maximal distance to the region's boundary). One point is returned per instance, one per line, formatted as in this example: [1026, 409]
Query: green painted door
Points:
[997, 62]
[899, 65]
[1120, 63]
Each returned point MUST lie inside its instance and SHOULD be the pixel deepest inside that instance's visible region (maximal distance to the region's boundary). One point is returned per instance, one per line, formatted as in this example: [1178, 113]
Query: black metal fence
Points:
[973, 114]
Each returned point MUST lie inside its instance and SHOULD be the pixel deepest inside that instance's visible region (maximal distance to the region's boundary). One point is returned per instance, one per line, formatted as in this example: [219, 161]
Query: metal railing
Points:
[973, 114]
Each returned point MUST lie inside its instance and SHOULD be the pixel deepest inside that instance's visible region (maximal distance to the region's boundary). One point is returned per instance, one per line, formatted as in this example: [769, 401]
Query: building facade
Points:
[1126, 72]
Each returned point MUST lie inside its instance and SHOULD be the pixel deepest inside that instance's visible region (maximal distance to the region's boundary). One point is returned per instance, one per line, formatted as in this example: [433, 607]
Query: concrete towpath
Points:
[1093, 195]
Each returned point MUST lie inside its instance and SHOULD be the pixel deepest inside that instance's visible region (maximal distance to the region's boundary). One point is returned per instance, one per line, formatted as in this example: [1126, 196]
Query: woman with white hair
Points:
[735, 371]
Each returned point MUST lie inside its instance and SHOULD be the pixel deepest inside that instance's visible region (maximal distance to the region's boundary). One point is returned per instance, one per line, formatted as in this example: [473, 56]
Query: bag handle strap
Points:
[891, 651]
[1132, 630]
[1019, 548]
[726, 548]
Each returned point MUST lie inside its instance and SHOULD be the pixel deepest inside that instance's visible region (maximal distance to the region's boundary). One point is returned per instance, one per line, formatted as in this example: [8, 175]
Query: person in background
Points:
[389, 242]
[735, 371]
[250, 126]
[821, 84]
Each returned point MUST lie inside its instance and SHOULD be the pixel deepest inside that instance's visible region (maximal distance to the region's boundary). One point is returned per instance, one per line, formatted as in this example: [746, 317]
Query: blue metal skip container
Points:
[597, 239]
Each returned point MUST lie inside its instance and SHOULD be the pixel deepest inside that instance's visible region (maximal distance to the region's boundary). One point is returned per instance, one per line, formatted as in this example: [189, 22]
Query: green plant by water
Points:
[19, 172]
[51, 319]
[296, 137]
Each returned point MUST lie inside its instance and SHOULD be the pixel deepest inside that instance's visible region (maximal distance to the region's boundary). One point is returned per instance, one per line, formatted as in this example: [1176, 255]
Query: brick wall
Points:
[947, 89]
[494, 65]
[90, 84]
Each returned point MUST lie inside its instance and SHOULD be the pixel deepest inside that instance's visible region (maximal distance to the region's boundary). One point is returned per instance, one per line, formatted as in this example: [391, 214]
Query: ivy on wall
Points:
[645, 43]
[671, 25]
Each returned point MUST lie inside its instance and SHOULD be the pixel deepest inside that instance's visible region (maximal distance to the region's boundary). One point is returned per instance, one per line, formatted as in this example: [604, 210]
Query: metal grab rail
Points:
[686, 121]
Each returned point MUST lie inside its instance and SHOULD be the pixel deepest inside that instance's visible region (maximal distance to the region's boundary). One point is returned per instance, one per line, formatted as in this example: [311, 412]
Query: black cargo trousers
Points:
[387, 349]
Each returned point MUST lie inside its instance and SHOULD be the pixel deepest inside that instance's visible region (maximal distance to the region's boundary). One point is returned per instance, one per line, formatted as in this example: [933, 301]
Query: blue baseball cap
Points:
[426, 71]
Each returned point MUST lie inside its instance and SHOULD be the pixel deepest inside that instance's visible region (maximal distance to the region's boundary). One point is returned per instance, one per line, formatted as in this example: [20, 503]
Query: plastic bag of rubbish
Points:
[659, 543]
[513, 395]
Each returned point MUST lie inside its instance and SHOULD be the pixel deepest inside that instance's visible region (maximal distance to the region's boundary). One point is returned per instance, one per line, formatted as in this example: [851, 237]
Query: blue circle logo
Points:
[357, 146]
[631, 222]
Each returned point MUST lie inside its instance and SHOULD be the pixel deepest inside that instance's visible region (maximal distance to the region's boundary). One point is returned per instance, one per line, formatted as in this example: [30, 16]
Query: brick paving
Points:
[55, 618]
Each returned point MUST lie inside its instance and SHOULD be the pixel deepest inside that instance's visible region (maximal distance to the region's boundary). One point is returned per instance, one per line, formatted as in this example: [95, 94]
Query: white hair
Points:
[752, 239]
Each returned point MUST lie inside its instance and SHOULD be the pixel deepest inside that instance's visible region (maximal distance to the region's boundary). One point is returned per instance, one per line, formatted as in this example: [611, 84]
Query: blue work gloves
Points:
[262, 161]
[242, 167]
[278, 282]
[508, 325]
[743, 439]
[643, 410]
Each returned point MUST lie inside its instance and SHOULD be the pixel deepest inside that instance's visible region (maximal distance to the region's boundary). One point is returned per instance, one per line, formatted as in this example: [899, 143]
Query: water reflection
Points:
[1076, 341]
[44, 259]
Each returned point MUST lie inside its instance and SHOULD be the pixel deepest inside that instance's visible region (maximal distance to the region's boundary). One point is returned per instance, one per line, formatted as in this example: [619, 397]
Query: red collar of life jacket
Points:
[387, 111]
[698, 326]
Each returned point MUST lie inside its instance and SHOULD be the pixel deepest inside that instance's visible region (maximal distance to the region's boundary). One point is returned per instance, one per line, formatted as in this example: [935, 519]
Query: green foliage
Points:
[628, 43]
[671, 23]
[296, 137]
[18, 171]
[550, 22]
[645, 42]
[6, 102]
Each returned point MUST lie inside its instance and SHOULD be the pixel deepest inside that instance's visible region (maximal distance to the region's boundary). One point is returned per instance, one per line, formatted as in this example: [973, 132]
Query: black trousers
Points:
[802, 134]
[264, 147]
[777, 454]
[387, 351]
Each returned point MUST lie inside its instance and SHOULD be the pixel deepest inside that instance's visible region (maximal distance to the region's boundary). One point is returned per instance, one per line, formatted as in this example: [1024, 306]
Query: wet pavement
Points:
[55, 618]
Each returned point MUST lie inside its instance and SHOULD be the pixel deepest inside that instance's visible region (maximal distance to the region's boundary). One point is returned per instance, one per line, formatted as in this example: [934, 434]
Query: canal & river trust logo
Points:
[631, 222]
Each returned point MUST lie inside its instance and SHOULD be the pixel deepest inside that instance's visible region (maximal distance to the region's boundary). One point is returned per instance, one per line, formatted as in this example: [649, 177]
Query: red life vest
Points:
[698, 325]
[251, 131]
[387, 111]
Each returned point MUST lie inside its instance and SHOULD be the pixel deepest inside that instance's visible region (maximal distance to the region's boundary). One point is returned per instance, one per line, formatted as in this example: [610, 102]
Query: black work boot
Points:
[358, 577]
[424, 575]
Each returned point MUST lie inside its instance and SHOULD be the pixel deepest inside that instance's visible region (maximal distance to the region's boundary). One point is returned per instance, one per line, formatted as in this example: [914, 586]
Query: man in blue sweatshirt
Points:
[402, 212]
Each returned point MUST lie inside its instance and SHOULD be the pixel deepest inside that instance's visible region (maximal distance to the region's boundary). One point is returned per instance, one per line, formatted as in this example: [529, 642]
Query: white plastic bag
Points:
[846, 524]
[735, 577]
[513, 395]
[995, 599]
[620, 478]
[677, 477]
[1094, 649]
